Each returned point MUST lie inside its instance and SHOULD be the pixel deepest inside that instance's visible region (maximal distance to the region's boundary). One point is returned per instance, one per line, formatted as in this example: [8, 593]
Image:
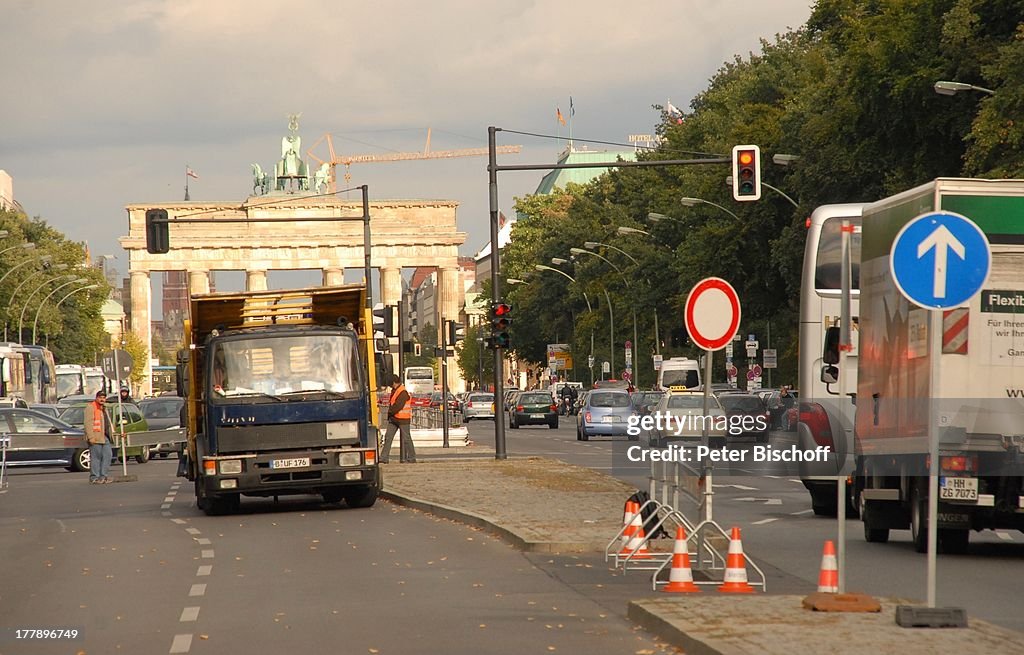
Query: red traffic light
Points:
[501, 309]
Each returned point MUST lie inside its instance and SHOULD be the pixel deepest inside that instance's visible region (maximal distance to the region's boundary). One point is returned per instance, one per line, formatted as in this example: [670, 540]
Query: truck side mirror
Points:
[829, 373]
[830, 353]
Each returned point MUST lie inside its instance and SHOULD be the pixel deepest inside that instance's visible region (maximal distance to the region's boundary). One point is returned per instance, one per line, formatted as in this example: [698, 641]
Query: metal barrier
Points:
[432, 418]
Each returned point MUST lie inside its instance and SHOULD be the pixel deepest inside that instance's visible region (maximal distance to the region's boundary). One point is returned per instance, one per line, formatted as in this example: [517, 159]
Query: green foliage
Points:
[134, 346]
[470, 353]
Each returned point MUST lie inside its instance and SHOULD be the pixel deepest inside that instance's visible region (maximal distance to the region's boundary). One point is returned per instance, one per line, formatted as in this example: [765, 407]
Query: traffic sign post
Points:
[939, 260]
[711, 316]
[770, 358]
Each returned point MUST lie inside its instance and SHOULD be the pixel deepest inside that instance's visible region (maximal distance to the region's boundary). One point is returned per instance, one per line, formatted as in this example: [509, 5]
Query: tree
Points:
[470, 353]
[133, 345]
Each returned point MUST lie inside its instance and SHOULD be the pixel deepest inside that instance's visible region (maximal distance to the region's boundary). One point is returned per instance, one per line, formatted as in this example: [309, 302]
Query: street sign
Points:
[750, 375]
[606, 367]
[728, 350]
[712, 313]
[751, 344]
[590, 361]
[731, 370]
[116, 364]
[657, 361]
[770, 358]
[756, 370]
[940, 260]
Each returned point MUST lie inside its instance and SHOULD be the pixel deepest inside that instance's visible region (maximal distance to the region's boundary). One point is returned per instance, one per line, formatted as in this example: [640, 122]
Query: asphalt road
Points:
[782, 535]
[136, 568]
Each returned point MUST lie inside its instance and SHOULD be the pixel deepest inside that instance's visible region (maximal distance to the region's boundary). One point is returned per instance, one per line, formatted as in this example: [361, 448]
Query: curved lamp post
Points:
[655, 217]
[945, 88]
[24, 309]
[27, 245]
[57, 288]
[10, 303]
[542, 267]
[581, 251]
[690, 202]
[623, 230]
[611, 313]
[629, 230]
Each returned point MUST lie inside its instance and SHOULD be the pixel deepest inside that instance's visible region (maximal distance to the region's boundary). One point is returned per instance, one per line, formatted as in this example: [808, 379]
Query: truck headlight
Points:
[230, 467]
[349, 459]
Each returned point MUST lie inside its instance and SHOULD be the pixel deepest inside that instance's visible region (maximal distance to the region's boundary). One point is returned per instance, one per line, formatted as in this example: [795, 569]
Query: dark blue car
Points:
[25, 424]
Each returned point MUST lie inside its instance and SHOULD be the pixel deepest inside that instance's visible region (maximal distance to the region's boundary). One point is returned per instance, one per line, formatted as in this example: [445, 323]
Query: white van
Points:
[680, 373]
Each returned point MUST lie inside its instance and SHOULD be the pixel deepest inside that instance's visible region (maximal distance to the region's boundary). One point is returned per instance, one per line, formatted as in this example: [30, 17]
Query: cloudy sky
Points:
[107, 101]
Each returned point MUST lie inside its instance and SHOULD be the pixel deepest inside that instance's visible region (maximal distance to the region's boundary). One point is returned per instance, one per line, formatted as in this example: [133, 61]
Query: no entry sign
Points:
[712, 313]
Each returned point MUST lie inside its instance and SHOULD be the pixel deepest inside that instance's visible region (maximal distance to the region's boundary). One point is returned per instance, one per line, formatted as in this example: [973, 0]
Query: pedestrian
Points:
[399, 416]
[786, 402]
[99, 435]
[126, 394]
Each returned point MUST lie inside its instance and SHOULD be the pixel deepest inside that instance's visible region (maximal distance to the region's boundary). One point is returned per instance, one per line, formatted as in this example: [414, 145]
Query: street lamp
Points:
[611, 312]
[17, 289]
[623, 230]
[542, 267]
[27, 245]
[690, 202]
[21, 320]
[3, 233]
[945, 88]
[515, 280]
[655, 217]
[57, 288]
[783, 159]
[590, 245]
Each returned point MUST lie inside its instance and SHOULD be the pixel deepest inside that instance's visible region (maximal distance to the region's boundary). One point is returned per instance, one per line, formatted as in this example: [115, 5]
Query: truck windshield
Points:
[679, 378]
[68, 384]
[269, 367]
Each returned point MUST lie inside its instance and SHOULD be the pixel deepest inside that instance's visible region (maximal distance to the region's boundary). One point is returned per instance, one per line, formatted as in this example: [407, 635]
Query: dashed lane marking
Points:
[202, 541]
[189, 614]
[181, 643]
[801, 512]
[204, 570]
[192, 530]
[207, 554]
[764, 521]
[197, 590]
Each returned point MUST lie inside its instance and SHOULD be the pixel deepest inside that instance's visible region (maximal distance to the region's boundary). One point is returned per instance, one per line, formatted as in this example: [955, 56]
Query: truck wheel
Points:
[954, 541]
[919, 520]
[823, 502]
[362, 496]
[144, 457]
[201, 500]
[221, 505]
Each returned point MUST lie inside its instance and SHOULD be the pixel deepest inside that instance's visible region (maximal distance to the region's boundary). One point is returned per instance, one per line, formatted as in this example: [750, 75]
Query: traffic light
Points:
[501, 319]
[158, 241]
[456, 332]
[385, 320]
[746, 173]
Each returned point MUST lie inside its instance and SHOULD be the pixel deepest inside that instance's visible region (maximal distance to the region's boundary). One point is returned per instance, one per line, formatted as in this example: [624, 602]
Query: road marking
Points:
[796, 481]
[1005, 536]
[193, 530]
[763, 521]
[169, 499]
[179, 521]
[204, 570]
[181, 643]
[197, 590]
[165, 513]
[764, 501]
[735, 486]
[172, 492]
[189, 614]
[165, 506]
[203, 541]
[207, 554]
[801, 512]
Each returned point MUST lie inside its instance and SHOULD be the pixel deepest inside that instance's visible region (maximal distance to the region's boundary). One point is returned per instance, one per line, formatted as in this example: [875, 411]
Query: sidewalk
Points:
[546, 505]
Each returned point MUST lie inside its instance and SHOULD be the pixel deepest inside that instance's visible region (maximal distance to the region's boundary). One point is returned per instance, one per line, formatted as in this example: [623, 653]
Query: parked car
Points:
[533, 407]
[46, 408]
[645, 401]
[435, 401]
[26, 422]
[164, 413]
[77, 399]
[683, 419]
[133, 421]
[606, 413]
[478, 405]
[510, 393]
[748, 409]
[419, 400]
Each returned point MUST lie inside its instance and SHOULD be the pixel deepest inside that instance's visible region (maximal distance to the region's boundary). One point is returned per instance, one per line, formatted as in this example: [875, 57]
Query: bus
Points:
[824, 420]
[41, 375]
[14, 367]
[419, 380]
[70, 380]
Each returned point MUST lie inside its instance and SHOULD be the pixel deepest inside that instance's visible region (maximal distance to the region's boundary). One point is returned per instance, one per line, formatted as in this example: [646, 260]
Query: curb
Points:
[485, 523]
[674, 635]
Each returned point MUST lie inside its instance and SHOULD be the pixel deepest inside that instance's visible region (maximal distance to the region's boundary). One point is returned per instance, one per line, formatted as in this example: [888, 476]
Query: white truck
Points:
[976, 392]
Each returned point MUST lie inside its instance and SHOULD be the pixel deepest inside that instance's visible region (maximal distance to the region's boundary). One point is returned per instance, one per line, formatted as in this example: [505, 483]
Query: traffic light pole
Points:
[499, 372]
[444, 382]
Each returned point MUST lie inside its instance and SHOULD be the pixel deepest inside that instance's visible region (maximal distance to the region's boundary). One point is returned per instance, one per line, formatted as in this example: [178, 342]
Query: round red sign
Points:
[712, 313]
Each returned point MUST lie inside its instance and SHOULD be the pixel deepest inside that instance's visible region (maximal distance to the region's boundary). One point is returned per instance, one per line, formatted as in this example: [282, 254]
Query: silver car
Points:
[478, 405]
[682, 418]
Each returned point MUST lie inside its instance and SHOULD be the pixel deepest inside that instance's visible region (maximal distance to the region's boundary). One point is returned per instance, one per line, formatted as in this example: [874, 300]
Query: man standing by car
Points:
[399, 416]
[99, 435]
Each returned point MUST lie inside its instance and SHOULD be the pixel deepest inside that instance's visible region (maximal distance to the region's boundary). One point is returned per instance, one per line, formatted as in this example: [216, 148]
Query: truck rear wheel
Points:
[872, 534]
[919, 520]
[362, 496]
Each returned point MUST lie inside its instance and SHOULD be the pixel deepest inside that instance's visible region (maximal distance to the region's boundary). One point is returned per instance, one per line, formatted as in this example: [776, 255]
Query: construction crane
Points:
[335, 158]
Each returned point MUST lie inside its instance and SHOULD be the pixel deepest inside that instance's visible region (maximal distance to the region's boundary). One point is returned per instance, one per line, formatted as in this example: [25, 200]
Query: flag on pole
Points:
[572, 110]
[673, 112]
[191, 173]
[558, 114]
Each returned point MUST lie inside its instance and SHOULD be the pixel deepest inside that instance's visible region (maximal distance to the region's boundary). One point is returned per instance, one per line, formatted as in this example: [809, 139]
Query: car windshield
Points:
[688, 401]
[161, 408]
[481, 398]
[598, 399]
[293, 364]
[535, 399]
[739, 403]
[68, 384]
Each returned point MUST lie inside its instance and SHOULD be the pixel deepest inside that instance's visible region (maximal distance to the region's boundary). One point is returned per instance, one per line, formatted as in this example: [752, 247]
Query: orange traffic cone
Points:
[828, 579]
[735, 567]
[680, 577]
[637, 540]
[627, 520]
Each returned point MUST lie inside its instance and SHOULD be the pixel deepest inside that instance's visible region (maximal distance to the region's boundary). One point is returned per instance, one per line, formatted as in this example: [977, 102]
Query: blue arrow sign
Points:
[940, 260]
